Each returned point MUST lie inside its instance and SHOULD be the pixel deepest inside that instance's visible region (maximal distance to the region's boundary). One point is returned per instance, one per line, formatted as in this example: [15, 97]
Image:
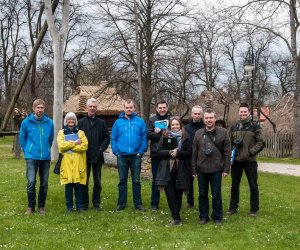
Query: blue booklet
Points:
[163, 124]
[233, 154]
[71, 137]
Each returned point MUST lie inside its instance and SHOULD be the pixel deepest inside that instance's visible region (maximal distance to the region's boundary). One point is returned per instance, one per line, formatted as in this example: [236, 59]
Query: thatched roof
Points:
[109, 102]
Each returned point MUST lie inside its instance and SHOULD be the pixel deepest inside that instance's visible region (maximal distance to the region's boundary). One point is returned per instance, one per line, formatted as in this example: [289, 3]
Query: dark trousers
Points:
[134, 163]
[250, 169]
[155, 194]
[69, 195]
[215, 181]
[174, 196]
[96, 168]
[32, 167]
[190, 195]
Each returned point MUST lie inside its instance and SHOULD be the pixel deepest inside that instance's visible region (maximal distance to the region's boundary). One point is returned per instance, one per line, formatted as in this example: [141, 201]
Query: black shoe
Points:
[154, 209]
[140, 208]
[119, 208]
[174, 223]
[203, 221]
[253, 214]
[218, 222]
[189, 205]
[231, 211]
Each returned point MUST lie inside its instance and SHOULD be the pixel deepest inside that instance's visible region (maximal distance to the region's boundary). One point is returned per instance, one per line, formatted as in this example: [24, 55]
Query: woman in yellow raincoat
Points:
[72, 143]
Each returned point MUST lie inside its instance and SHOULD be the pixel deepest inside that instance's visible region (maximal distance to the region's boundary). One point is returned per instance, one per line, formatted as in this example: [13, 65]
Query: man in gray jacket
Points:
[211, 161]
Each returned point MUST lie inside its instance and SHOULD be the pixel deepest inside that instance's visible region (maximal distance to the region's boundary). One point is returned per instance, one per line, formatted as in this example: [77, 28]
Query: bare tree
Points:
[59, 36]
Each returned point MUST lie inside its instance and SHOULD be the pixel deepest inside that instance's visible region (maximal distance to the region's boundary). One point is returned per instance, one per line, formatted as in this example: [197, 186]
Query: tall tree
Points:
[59, 36]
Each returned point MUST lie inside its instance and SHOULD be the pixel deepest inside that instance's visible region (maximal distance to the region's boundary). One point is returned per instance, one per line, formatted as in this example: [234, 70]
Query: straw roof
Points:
[109, 102]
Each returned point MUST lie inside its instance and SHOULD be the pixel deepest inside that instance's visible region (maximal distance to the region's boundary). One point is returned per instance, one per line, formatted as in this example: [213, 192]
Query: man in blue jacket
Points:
[129, 143]
[36, 137]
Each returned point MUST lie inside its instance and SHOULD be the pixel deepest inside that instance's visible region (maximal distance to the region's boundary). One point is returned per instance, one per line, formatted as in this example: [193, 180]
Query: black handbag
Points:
[56, 169]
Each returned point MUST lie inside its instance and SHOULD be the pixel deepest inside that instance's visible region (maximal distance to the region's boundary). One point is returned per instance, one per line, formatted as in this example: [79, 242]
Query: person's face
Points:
[209, 120]
[244, 113]
[129, 108]
[162, 109]
[175, 126]
[39, 110]
[71, 122]
[91, 109]
[196, 115]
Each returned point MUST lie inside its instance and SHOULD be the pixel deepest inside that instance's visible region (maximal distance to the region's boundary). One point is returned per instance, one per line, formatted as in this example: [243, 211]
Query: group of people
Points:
[178, 154]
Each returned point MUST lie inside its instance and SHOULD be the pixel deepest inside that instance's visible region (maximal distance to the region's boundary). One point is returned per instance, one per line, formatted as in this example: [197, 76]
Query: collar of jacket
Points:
[122, 115]
[164, 117]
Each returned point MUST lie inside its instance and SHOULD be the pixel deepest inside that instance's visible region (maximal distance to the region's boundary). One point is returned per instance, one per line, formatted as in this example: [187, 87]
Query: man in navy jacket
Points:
[129, 143]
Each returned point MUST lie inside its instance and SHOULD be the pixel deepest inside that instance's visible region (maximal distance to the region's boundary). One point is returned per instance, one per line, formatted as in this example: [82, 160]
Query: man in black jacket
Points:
[191, 128]
[154, 133]
[210, 161]
[97, 134]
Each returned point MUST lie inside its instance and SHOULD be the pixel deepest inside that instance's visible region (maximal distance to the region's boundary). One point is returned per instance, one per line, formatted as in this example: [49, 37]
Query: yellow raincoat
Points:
[73, 166]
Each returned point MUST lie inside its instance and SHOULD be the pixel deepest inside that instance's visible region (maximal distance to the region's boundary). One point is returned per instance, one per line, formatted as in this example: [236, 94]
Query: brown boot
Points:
[29, 211]
[42, 211]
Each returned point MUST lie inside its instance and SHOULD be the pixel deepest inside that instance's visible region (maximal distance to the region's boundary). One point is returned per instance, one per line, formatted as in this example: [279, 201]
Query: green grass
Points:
[276, 227]
[289, 160]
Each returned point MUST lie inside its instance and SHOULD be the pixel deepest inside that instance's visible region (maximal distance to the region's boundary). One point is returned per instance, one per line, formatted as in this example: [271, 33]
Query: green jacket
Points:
[246, 136]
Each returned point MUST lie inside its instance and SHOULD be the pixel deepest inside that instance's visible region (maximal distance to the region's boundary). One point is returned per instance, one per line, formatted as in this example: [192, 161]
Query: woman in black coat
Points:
[173, 170]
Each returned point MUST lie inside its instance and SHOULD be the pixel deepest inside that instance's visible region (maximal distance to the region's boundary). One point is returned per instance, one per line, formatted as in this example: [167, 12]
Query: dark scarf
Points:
[68, 131]
[246, 122]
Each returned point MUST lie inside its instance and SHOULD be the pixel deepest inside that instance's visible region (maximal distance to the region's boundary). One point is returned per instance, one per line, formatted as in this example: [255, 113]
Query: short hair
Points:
[91, 100]
[38, 102]
[128, 101]
[210, 111]
[197, 107]
[161, 102]
[68, 116]
[244, 105]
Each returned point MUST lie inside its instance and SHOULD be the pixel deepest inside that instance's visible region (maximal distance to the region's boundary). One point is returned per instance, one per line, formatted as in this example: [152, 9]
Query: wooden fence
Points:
[277, 145]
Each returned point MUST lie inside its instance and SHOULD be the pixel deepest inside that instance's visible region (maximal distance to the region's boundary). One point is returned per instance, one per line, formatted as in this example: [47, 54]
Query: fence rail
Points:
[277, 145]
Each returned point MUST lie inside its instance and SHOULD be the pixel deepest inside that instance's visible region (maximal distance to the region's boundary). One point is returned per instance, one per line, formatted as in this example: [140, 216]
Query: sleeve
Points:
[106, 138]
[150, 132]
[161, 152]
[185, 152]
[226, 152]
[51, 136]
[260, 143]
[195, 153]
[23, 135]
[62, 144]
[84, 143]
[114, 139]
[144, 144]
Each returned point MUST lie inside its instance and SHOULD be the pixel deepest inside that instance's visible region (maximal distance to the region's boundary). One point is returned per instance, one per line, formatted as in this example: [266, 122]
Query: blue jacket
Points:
[129, 136]
[36, 137]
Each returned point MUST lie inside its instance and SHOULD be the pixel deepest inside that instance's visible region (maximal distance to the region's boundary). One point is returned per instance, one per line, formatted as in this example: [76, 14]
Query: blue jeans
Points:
[96, 168]
[69, 195]
[215, 181]
[32, 166]
[134, 163]
[155, 194]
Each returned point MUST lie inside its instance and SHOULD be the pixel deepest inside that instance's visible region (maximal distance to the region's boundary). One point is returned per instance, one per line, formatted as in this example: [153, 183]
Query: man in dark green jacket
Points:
[246, 137]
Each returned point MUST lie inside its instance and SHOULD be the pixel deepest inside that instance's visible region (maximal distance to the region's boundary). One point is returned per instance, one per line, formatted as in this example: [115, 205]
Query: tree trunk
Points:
[58, 94]
[296, 124]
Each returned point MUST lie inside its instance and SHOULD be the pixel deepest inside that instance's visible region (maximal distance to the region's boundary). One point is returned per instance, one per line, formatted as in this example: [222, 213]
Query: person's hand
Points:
[78, 142]
[224, 174]
[173, 152]
[157, 130]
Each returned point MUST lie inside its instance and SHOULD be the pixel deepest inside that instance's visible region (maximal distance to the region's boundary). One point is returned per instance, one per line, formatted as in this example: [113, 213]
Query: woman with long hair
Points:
[174, 150]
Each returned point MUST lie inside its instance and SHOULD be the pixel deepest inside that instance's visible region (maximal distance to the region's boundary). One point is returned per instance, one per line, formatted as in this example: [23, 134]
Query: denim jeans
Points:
[69, 195]
[155, 194]
[134, 163]
[215, 181]
[32, 166]
[96, 168]
[250, 169]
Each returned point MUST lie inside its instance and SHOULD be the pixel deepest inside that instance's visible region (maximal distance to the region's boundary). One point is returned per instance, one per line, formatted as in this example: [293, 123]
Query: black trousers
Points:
[96, 168]
[190, 196]
[250, 169]
[174, 196]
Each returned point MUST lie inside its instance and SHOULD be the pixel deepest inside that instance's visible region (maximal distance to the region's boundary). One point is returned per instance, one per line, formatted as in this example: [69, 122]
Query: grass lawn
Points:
[289, 160]
[276, 227]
